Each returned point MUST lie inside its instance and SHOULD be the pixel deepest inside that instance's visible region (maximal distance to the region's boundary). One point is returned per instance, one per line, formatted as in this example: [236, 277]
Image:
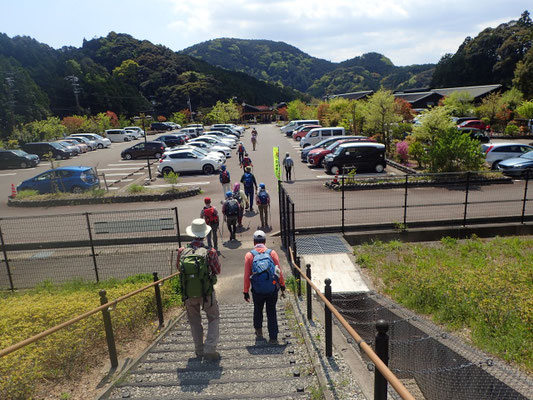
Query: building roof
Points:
[352, 95]
[413, 97]
[474, 91]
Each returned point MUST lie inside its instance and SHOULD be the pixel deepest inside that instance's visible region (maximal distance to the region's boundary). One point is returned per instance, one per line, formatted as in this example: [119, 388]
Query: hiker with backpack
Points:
[254, 138]
[240, 196]
[263, 203]
[288, 163]
[225, 180]
[210, 216]
[230, 209]
[263, 273]
[241, 151]
[199, 266]
[246, 162]
[249, 182]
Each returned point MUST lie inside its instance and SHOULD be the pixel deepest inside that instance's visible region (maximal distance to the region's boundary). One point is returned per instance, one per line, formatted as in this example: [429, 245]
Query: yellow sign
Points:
[277, 168]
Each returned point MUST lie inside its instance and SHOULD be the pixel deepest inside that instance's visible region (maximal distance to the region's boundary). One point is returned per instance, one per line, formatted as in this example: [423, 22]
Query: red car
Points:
[474, 123]
[301, 131]
[316, 156]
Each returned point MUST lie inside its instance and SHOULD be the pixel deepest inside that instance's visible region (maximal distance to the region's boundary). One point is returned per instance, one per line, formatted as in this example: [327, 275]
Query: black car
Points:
[357, 155]
[171, 140]
[143, 150]
[17, 159]
[43, 149]
[160, 126]
[475, 134]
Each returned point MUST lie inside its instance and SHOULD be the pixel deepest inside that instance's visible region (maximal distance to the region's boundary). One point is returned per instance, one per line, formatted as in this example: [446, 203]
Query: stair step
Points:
[236, 342]
[227, 356]
[195, 396]
[194, 364]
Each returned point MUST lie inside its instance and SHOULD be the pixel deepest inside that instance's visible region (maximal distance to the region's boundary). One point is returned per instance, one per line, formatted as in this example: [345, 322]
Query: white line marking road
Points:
[121, 165]
[119, 169]
[12, 173]
[179, 184]
[122, 174]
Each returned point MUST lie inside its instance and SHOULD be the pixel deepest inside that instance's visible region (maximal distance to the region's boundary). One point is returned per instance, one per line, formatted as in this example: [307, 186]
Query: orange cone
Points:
[13, 191]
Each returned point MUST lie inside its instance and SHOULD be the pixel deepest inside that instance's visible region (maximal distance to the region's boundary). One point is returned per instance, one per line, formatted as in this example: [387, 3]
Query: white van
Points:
[296, 123]
[318, 134]
[119, 135]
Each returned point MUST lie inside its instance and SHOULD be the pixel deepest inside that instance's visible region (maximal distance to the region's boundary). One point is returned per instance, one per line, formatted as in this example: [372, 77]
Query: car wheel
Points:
[23, 165]
[495, 164]
[208, 169]
[298, 138]
[334, 170]
[76, 189]
[379, 168]
[167, 170]
[128, 156]
[58, 157]
[157, 155]
[100, 146]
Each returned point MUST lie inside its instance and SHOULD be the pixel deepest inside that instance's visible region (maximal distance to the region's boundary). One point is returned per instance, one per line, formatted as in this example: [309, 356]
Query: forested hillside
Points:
[497, 55]
[117, 73]
[280, 62]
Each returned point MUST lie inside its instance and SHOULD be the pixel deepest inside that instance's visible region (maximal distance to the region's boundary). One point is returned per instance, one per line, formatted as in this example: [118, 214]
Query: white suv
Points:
[496, 152]
[134, 130]
[186, 160]
[101, 142]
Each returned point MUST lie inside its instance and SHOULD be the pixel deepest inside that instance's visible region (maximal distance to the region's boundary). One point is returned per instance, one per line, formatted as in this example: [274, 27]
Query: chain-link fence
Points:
[87, 246]
[441, 364]
[459, 199]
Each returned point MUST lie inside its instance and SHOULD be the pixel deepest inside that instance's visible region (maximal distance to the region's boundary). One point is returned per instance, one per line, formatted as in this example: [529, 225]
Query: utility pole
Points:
[10, 83]
[190, 106]
[143, 117]
[76, 89]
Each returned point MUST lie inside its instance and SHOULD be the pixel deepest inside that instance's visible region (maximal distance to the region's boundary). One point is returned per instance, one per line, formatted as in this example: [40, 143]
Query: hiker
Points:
[230, 209]
[254, 138]
[240, 196]
[288, 164]
[199, 266]
[247, 162]
[241, 151]
[210, 214]
[225, 180]
[263, 273]
[263, 203]
[249, 182]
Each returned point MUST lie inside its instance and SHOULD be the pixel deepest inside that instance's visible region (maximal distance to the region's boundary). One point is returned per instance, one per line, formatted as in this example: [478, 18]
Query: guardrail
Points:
[382, 373]
[106, 306]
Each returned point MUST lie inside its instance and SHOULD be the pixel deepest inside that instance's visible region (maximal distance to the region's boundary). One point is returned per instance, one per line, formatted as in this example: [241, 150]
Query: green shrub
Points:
[135, 188]
[512, 129]
[25, 194]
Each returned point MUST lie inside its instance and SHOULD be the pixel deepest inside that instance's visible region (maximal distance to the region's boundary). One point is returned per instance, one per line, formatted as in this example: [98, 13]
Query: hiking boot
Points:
[273, 341]
[214, 356]
[259, 333]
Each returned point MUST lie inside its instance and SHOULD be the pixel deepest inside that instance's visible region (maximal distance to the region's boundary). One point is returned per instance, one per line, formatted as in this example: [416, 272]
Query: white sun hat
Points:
[198, 228]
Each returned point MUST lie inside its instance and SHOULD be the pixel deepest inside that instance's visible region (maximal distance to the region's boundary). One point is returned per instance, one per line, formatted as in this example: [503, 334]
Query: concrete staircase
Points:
[249, 368]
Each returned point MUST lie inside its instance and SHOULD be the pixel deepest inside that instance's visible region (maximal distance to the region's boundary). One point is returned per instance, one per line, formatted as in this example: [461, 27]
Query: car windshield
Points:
[19, 152]
[332, 146]
[98, 136]
[56, 145]
[528, 155]
[337, 151]
[199, 153]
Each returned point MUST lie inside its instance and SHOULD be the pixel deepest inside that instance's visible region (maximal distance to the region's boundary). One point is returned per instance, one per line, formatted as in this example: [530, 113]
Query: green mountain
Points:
[495, 55]
[117, 73]
[280, 62]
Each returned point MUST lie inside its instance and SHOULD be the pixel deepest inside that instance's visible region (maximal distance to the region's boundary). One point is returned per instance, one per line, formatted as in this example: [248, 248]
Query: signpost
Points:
[277, 168]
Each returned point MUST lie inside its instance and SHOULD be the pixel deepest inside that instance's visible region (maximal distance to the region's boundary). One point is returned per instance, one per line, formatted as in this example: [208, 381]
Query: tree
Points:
[491, 107]
[381, 113]
[179, 118]
[224, 112]
[459, 104]
[525, 110]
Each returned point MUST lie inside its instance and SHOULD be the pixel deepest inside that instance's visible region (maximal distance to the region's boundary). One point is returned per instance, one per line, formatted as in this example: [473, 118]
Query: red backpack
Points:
[210, 216]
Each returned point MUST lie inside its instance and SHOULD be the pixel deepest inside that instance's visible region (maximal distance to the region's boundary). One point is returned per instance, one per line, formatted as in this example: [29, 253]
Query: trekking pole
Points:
[222, 234]
[269, 216]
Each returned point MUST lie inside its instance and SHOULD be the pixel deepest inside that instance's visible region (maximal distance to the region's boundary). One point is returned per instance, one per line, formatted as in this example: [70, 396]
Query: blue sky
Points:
[406, 31]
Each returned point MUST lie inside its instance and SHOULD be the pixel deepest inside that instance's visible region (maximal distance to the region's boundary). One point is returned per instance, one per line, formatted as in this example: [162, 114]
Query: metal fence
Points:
[87, 246]
[459, 199]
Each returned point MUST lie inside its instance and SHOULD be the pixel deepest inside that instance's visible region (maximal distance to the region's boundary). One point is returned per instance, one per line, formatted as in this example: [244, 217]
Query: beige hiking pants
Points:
[194, 309]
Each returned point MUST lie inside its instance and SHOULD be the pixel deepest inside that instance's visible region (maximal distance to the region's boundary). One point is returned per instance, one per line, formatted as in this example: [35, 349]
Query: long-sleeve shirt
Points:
[212, 256]
[254, 182]
[248, 259]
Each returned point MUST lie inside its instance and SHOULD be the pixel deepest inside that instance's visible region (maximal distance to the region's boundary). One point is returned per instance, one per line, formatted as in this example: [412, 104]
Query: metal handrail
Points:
[72, 321]
[380, 365]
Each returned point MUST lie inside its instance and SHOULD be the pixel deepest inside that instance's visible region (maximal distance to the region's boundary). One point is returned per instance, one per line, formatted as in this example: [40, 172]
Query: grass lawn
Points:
[482, 287]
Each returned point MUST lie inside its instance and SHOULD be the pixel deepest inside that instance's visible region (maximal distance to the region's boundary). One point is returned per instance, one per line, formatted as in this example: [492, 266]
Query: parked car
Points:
[74, 150]
[82, 146]
[43, 149]
[152, 149]
[173, 125]
[324, 143]
[363, 156]
[475, 134]
[207, 147]
[519, 166]
[188, 160]
[170, 140]
[474, 123]
[497, 152]
[229, 131]
[292, 125]
[211, 140]
[223, 135]
[17, 159]
[190, 132]
[119, 135]
[460, 120]
[316, 157]
[199, 128]
[91, 144]
[160, 126]
[205, 152]
[101, 142]
[62, 179]
[316, 135]
[237, 128]
[135, 131]
[224, 140]
[301, 131]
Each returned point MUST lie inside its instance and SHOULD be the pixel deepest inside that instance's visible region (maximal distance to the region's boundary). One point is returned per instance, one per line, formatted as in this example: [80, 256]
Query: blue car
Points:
[518, 166]
[62, 179]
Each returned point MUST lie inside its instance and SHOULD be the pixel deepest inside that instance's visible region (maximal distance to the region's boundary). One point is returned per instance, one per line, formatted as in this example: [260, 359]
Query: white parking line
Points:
[180, 184]
[116, 180]
[119, 169]
[120, 165]
[113, 188]
[12, 173]
[122, 174]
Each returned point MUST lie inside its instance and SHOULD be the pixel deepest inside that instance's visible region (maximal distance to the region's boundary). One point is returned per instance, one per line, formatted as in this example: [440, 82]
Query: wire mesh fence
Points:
[458, 199]
[441, 364]
[87, 246]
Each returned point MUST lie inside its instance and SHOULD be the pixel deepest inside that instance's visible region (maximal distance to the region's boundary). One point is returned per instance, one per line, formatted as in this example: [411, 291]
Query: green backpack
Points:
[196, 278]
